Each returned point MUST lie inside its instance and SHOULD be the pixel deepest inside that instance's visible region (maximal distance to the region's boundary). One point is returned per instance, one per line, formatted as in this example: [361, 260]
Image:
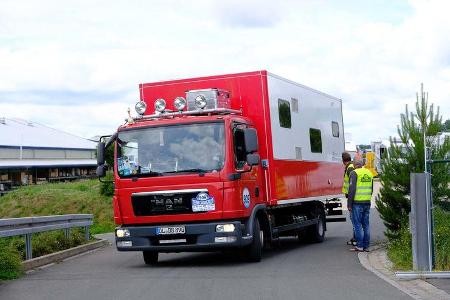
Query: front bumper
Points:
[198, 237]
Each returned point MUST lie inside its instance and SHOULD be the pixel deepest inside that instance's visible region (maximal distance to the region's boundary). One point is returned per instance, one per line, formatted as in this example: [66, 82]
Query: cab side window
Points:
[240, 156]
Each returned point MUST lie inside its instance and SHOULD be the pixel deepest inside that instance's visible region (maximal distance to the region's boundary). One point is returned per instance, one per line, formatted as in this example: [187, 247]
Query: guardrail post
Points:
[67, 233]
[28, 248]
[86, 233]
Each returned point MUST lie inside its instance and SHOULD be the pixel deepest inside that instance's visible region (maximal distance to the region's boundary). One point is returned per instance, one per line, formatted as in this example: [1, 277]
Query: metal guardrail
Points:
[30, 225]
[422, 275]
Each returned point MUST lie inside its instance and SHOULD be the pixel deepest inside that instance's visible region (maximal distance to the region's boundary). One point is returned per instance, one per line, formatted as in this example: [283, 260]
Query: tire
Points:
[253, 252]
[150, 257]
[316, 233]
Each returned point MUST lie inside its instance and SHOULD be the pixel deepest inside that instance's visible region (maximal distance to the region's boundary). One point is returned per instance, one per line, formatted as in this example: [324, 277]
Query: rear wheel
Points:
[150, 257]
[253, 252]
[316, 233]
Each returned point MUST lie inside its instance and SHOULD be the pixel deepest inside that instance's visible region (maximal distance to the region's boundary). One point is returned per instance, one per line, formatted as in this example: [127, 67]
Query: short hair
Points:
[346, 157]
[358, 163]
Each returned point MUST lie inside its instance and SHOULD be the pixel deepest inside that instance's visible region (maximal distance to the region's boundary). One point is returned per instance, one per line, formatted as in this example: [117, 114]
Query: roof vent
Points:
[3, 121]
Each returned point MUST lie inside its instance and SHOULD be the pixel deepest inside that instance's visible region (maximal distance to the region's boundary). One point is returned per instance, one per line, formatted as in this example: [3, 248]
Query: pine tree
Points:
[446, 126]
[405, 156]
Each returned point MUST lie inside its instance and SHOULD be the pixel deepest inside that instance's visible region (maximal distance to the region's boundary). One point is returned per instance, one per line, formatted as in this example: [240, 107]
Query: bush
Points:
[10, 263]
[442, 239]
[50, 242]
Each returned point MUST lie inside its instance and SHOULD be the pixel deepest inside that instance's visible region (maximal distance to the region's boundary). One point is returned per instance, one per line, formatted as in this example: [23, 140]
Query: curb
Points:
[377, 262]
[61, 255]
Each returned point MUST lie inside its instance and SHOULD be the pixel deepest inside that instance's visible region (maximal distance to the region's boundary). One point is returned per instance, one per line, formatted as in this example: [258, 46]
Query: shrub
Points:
[50, 242]
[10, 263]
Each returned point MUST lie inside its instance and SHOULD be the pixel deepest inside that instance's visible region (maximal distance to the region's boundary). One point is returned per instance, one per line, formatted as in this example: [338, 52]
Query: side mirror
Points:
[101, 171]
[251, 140]
[100, 154]
[253, 159]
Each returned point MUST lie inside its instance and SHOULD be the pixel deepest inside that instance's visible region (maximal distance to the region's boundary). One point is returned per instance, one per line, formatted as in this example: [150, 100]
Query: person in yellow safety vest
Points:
[347, 161]
[359, 198]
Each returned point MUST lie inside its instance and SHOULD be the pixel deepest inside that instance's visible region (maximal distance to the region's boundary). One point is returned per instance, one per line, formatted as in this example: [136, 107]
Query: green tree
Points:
[109, 156]
[107, 185]
[446, 126]
[406, 156]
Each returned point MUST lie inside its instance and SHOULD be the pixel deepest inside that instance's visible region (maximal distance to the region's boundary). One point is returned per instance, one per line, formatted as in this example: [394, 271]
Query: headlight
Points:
[225, 228]
[200, 101]
[179, 103]
[120, 233]
[140, 107]
[160, 105]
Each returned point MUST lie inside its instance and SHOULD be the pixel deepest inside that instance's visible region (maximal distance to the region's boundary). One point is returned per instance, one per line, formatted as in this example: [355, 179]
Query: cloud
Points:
[59, 97]
[248, 14]
[92, 55]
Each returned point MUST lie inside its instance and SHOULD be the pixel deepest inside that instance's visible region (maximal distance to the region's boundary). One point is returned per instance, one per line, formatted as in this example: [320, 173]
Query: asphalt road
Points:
[294, 271]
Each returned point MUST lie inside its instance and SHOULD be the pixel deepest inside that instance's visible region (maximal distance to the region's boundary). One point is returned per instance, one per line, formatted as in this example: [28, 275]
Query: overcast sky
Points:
[76, 65]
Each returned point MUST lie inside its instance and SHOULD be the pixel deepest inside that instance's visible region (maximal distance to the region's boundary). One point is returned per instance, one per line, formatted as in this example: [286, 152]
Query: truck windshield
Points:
[159, 151]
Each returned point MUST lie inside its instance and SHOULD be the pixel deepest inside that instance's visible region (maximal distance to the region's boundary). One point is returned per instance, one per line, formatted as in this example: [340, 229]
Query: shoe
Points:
[356, 249]
[366, 250]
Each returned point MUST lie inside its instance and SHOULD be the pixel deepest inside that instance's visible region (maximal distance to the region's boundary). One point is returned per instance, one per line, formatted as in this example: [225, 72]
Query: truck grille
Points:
[150, 205]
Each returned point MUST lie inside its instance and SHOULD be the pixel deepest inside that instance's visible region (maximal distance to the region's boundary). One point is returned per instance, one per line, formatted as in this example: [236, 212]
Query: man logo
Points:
[366, 178]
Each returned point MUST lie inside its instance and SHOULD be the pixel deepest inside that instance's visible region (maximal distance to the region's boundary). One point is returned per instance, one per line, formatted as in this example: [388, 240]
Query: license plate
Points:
[170, 230]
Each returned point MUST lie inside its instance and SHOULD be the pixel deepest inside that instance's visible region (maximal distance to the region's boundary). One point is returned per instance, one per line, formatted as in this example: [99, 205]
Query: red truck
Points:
[230, 161]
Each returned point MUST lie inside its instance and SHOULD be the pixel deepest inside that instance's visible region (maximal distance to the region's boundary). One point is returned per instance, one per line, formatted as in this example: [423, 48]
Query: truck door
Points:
[249, 184]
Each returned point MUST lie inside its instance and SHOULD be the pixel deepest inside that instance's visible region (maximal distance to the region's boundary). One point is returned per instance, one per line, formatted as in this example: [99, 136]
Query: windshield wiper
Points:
[196, 170]
[150, 173]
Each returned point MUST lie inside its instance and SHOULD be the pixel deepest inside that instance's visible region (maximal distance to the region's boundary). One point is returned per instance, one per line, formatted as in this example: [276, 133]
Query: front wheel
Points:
[253, 252]
[150, 257]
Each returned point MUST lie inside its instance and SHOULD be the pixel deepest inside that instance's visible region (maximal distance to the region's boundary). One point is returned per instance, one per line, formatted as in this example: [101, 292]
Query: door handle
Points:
[256, 191]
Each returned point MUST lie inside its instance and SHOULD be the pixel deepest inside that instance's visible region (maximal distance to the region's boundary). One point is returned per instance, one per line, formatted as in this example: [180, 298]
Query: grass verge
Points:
[400, 253]
[82, 197]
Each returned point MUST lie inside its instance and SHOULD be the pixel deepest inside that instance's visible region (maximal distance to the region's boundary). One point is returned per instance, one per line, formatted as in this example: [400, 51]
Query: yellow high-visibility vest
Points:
[346, 179]
[363, 185]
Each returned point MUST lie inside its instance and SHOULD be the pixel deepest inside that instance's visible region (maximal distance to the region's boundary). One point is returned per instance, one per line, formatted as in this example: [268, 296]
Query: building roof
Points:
[46, 163]
[16, 132]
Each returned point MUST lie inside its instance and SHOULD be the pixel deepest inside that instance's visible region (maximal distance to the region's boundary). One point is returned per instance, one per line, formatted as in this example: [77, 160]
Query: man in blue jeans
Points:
[359, 197]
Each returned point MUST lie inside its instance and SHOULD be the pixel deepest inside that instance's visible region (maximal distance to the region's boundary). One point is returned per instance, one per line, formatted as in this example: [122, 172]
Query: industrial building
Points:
[31, 153]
